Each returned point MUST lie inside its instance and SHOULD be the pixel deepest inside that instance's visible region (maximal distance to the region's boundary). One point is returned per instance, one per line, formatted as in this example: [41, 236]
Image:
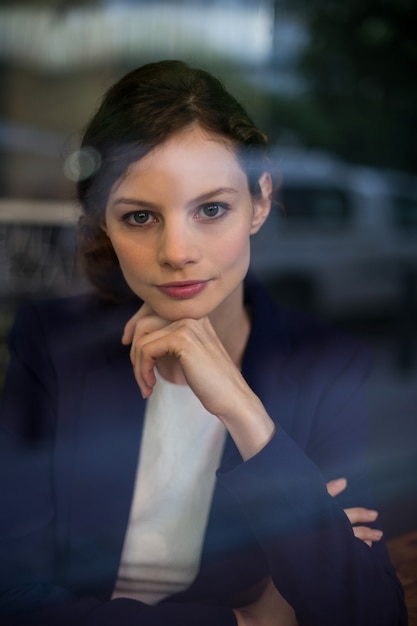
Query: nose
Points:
[177, 246]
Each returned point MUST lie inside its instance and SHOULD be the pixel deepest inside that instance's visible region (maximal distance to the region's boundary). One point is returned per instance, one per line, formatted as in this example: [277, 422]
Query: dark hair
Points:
[139, 112]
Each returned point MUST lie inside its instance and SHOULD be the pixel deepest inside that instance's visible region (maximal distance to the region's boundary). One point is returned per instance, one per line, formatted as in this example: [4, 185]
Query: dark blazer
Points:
[71, 424]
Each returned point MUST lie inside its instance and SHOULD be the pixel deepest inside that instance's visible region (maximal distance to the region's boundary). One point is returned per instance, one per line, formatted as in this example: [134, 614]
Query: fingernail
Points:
[372, 514]
[377, 534]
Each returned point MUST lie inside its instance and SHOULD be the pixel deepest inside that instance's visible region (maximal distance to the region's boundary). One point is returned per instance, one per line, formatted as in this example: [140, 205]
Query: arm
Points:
[326, 573]
[268, 606]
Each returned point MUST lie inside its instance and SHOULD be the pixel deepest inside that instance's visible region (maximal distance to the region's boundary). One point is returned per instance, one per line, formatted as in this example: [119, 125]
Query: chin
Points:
[174, 310]
[174, 313]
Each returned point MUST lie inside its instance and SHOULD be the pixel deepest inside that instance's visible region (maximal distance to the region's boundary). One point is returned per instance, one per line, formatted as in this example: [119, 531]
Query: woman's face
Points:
[180, 223]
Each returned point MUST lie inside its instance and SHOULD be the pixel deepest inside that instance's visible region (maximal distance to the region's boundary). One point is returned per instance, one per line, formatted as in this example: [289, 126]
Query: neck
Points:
[232, 325]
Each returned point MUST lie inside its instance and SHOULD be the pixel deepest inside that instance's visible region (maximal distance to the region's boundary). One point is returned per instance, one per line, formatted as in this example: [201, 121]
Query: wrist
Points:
[250, 426]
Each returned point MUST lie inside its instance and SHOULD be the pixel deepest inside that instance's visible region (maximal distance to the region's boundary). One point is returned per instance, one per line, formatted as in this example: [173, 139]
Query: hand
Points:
[187, 341]
[207, 368]
[269, 609]
[357, 515]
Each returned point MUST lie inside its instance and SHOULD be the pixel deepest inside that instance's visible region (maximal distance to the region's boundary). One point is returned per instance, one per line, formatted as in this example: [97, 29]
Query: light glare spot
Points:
[81, 164]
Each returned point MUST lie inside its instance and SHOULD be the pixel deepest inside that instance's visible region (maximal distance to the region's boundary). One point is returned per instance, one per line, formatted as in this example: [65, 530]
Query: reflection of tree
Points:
[361, 66]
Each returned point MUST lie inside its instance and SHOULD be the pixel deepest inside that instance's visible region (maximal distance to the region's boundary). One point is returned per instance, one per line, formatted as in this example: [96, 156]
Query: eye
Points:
[213, 210]
[138, 218]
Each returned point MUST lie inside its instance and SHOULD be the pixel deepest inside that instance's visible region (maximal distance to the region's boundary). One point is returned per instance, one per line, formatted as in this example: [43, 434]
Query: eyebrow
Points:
[151, 205]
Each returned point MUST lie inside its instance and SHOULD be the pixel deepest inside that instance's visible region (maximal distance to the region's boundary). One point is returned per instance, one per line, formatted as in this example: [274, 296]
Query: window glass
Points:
[318, 206]
[405, 213]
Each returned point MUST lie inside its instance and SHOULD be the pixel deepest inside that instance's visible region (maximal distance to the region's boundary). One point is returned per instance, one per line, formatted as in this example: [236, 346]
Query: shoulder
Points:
[307, 345]
[65, 326]
[312, 377]
[85, 311]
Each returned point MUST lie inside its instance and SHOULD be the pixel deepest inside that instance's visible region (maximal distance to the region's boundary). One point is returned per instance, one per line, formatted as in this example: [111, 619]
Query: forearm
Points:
[248, 423]
[321, 569]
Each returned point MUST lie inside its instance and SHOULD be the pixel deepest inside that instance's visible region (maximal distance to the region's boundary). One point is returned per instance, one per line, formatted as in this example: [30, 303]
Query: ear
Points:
[262, 204]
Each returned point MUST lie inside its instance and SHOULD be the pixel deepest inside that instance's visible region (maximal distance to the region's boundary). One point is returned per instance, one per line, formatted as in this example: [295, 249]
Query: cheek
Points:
[235, 250]
[132, 257]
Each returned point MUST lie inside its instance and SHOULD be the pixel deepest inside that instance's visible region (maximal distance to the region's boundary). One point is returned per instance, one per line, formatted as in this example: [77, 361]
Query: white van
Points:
[342, 239]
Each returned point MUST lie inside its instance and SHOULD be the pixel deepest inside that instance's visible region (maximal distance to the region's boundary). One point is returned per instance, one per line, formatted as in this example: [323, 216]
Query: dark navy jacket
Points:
[70, 429]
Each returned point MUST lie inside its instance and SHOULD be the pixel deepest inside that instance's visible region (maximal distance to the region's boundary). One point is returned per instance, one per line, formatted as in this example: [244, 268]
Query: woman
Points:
[115, 511]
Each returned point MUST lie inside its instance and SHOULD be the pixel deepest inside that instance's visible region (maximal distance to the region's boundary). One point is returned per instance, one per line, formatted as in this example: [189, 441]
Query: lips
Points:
[183, 289]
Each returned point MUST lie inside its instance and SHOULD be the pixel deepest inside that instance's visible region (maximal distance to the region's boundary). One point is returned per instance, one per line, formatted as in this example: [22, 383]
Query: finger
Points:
[145, 375]
[130, 326]
[146, 329]
[146, 324]
[154, 338]
[366, 534]
[334, 487]
[359, 514]
[143, 364]
[146, 350]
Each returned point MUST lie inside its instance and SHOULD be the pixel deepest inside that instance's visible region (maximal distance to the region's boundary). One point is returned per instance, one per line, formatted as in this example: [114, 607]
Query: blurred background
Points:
[334, 86]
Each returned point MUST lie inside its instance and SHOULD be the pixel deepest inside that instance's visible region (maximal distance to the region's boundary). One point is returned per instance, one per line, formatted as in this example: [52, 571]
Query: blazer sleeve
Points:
[325, 573]
[30, 589]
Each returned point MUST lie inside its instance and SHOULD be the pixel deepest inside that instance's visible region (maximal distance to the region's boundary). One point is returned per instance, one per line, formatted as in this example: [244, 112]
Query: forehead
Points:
[190, 155]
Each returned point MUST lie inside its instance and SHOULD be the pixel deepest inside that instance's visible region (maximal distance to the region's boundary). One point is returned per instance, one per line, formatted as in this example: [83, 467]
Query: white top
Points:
[180, 451]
